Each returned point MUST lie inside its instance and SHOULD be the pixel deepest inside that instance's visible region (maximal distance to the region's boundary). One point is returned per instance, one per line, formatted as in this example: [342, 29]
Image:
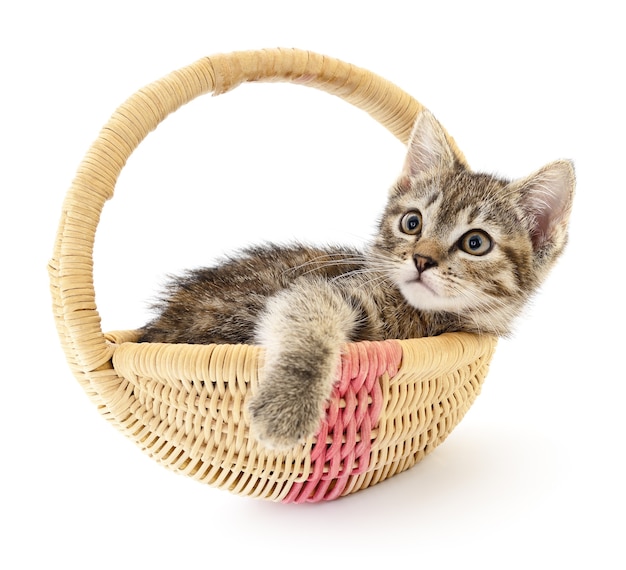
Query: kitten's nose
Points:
[423, 262]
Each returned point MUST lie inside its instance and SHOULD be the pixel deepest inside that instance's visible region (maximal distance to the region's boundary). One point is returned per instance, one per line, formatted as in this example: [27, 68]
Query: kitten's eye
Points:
[411, 223]
[476, 242]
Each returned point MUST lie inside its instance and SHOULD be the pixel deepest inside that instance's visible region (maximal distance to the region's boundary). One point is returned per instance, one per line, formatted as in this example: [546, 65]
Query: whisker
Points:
[322, 261]
[371, 277]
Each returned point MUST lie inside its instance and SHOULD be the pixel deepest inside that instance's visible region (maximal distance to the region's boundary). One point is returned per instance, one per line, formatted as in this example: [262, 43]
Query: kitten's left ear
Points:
[546, 198]
[428, 149]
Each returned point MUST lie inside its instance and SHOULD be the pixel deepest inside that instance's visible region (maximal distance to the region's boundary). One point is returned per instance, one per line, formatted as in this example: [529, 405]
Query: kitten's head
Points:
[470, 244]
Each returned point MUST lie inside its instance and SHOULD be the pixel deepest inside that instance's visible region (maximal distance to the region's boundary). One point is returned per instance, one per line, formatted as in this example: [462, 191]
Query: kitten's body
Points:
[228, 300]
[455, 251]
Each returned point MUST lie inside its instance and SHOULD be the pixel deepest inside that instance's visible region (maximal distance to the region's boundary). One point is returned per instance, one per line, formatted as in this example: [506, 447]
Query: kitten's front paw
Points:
[281, 420]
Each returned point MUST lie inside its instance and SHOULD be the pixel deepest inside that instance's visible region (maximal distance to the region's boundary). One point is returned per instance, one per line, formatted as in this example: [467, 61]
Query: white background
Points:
[533, 476]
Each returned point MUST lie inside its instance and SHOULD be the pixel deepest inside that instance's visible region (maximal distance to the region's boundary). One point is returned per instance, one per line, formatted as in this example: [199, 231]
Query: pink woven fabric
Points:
[339, 453]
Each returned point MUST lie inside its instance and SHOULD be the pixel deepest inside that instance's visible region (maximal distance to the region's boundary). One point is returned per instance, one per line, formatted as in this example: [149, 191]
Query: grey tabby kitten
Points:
[455, 250]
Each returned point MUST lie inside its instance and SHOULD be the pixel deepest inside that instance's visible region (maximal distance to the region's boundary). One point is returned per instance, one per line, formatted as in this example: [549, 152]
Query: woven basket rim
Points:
[143, 358]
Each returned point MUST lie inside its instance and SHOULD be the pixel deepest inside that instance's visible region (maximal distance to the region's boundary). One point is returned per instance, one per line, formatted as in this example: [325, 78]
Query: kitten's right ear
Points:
[428, 148]
[546, 198]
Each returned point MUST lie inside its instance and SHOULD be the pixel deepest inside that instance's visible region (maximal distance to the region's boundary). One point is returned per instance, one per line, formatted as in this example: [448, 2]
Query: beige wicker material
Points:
[185, 404]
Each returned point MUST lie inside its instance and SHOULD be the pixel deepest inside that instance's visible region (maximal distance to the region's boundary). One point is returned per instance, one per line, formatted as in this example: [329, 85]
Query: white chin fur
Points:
[422, 296]
[427, 294]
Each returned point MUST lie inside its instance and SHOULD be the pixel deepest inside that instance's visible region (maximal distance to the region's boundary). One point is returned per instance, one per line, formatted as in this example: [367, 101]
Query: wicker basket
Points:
[185, 405]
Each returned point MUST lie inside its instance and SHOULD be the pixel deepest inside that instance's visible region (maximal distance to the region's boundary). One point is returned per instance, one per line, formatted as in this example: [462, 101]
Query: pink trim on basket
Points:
[337, 455]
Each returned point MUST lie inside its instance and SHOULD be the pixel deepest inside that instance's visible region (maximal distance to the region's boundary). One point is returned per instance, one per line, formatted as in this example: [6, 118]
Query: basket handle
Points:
[71, 267]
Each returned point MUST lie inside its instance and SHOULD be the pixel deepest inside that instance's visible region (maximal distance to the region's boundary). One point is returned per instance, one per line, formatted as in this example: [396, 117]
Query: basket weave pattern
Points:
[185, 405]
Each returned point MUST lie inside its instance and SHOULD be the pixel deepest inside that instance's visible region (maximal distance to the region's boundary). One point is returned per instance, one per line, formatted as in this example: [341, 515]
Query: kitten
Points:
[455, 251]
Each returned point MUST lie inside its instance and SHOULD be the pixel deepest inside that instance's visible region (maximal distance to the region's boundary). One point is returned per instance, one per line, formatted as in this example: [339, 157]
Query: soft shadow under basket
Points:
[185, 405]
